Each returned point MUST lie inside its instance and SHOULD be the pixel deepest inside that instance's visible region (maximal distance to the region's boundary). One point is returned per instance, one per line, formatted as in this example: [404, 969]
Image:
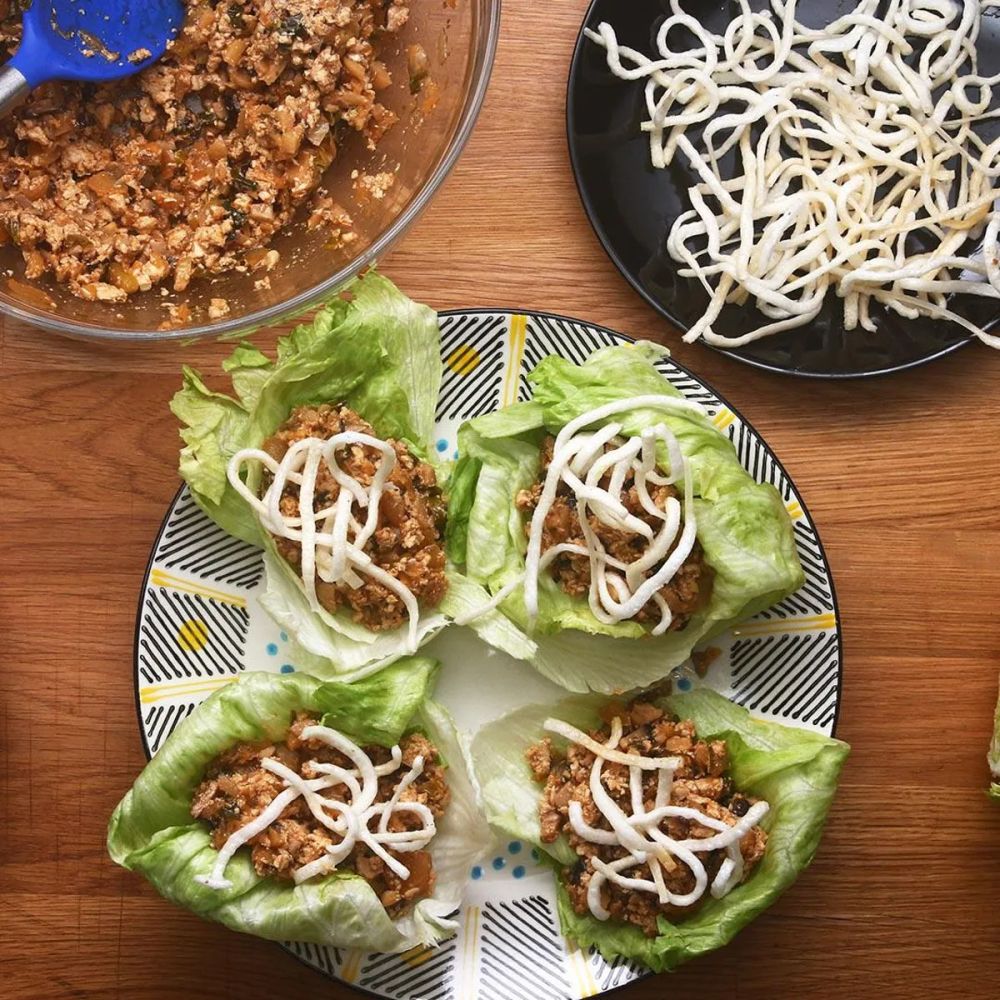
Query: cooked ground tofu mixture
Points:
[688, 590]
[236, 789]
[408, 542]
[193, 165]
[700, 782]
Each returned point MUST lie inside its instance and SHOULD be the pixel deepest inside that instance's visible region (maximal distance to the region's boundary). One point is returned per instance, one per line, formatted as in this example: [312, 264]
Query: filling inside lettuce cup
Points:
[303, 878]
[613, 523]
[662, 864]
[322, 457]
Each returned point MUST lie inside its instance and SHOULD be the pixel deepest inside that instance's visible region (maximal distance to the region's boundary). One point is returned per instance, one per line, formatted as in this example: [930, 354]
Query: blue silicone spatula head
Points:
[89, 40]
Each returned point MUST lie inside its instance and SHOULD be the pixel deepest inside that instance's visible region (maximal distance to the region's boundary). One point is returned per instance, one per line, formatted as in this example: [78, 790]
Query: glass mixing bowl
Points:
[459, 38]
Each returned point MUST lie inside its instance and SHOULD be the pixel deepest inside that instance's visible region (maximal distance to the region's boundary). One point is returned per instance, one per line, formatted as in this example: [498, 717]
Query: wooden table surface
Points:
[900, 474]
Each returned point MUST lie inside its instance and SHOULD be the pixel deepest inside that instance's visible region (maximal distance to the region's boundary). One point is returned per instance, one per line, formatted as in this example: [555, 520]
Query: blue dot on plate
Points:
[684, 683]
[455, 456]
[514, 847]
[442, 445]
[284, 637]
[477, 872]
[518, 872]
[499, 863]
[287, 668]
[535, 855]
[272, 649]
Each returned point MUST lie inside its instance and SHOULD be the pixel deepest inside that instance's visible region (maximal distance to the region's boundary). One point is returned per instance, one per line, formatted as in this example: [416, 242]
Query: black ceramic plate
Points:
[632, 206]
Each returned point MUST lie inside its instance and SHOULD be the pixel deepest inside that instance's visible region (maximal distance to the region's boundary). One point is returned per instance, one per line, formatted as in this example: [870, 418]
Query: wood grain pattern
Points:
[900, 475]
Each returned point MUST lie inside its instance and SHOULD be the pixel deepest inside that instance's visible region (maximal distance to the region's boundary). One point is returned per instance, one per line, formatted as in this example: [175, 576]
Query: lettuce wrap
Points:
[794, 770]
[994, 755]
[376, 351]
[152, 831]
[742, 526]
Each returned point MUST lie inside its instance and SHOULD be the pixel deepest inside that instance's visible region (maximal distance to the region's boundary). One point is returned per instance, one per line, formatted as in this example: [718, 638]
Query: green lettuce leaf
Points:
[330, 647]
[461, 491]
[152, 832]
[994, 755]
[371, 348]
[743, 527]
[794, 770]
[215, 428]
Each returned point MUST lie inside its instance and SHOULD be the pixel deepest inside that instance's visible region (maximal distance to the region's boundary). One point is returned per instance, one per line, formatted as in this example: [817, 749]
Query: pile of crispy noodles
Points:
[859, 168]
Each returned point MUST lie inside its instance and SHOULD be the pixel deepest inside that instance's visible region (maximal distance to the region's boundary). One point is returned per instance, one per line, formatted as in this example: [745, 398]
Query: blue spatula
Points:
[88, 40]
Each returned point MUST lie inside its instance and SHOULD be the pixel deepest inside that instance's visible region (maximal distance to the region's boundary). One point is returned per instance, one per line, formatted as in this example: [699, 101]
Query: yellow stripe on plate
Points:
[468, 956]
[518, 338]
[776, 626]
[723, 419]
[351, 967]
[177, 689]
[161, 578]
[580, 972]
[417, 956]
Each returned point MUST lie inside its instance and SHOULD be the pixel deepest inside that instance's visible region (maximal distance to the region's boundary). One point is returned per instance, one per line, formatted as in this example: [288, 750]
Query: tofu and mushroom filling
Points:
[650, 811]
[361, 519]
[317, 803]
[613, 516]
[193, 166]
[564, 535]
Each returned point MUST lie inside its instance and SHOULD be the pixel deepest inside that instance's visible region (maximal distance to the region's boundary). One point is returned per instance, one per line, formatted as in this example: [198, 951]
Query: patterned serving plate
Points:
[199, 625]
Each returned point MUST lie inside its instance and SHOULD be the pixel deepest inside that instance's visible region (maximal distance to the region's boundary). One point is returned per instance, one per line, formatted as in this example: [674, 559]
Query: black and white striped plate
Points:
[199, 625]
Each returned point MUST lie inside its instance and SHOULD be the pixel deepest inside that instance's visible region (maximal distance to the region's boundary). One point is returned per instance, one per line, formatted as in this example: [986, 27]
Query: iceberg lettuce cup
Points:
[322, 457]
[613, 523]
[670, 822]
[293, 809]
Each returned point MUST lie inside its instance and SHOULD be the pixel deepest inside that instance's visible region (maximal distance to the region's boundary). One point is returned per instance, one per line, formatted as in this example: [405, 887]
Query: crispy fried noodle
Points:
[332, 539]
[858, 165]
[595, 475]
[640, 833]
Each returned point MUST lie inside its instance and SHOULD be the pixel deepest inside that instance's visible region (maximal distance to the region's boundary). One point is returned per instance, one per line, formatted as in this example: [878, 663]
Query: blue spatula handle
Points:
[14, 88]
[31, 66]
[56, 42]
